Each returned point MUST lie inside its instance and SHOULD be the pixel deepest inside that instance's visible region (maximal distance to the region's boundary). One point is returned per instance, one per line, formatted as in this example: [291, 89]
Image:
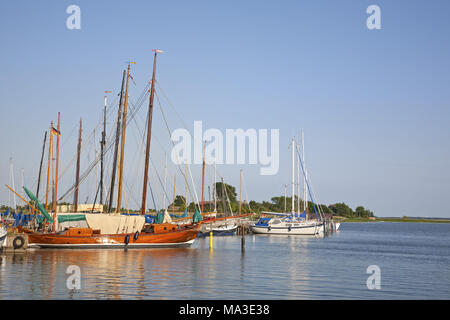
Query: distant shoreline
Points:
[399, 219]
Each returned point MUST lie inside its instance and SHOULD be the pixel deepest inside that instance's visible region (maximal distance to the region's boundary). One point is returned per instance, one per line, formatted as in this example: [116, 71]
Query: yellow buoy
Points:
[211, 240]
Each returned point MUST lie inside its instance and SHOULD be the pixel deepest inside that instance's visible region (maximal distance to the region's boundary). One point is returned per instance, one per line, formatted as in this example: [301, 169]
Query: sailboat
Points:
[292, 223]
[114, 230]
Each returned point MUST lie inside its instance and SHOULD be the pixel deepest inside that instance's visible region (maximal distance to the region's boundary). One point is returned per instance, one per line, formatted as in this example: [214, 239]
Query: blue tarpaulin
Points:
[184, 215]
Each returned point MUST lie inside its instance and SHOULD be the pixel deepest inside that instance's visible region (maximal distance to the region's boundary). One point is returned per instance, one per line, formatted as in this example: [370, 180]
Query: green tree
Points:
[341, 209]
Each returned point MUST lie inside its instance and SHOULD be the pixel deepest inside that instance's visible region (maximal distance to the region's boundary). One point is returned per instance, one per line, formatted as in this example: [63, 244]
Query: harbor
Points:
[217, 159]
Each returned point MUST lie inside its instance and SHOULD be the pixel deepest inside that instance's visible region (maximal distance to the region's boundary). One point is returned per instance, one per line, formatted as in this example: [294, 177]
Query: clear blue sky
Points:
[374, 104]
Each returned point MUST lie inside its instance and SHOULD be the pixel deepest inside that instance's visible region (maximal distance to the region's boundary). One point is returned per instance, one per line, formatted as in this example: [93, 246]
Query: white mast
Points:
[293, 176]
[11, 180]
[305, 194]
[298, 182]
[285, 195]
[23, 182]
[185, 185]
[214, 187]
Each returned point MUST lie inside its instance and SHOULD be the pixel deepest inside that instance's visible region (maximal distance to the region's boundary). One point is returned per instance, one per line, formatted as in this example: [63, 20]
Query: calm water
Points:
[414, 259]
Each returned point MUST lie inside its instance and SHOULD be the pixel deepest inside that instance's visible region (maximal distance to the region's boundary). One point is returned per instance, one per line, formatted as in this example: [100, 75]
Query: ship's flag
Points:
[157, 51]
[54, 131]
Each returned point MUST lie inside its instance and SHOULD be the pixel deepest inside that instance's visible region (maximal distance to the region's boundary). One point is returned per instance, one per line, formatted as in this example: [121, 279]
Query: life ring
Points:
[127, 239]
[136, 235]
[18, 242]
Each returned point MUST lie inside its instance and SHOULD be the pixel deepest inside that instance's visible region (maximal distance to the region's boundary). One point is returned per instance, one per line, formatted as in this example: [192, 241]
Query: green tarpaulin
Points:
[159, 217]
[71, 217]
[197, 217]
[39, 205]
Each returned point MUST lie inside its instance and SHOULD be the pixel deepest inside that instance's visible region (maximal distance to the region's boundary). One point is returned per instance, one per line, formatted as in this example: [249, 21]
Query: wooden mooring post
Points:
[242, 238]
[328, 226]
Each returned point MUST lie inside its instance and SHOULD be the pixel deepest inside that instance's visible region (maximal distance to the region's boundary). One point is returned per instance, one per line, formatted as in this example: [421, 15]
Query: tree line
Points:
[227, 197]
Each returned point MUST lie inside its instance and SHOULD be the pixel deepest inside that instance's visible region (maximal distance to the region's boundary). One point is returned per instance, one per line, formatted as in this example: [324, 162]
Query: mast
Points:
[223, 197]
[23, 181]
[293, 175]
[215, 191]
[298, 182]
[185, 185]
[174, 184]
[305, 193]
[122, 146]
[165, 182]
[149, 135]
[40, 166]
[11, 177]
[209, 196]
[56, 174]
[285, 195]
[50, 146]
[240, 193]
[203, 174]
[116, 147]
[102, 148]
[77, 177]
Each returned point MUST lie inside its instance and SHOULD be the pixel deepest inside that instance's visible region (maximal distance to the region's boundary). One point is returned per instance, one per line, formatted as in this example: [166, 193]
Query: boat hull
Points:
[219, 232]
[293, 230]
[182, 238]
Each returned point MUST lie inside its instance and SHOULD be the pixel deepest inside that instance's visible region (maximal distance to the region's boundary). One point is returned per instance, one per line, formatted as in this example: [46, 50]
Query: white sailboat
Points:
[289, 223]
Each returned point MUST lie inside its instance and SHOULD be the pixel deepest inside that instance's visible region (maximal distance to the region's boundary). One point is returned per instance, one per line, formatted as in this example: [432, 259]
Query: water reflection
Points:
[272, 267]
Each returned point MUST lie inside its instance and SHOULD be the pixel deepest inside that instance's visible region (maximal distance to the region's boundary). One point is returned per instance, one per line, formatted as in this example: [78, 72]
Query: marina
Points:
[190, 153]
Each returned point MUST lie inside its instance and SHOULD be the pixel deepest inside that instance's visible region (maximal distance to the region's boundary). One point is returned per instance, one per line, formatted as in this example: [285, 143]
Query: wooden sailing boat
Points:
[115, 230]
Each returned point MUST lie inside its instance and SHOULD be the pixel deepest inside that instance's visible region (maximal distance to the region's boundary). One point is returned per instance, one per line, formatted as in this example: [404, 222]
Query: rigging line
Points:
[317, 200]
[224, 186]
[312, 190]
[162, 184]
[154, 136]
[170, 104]
[157, 97]
[156, 208]
[153, 198]
[94, 163]
[68, 166]
[68, 136]
[173, 144]
[307, 183]
[139, 150]
[195, 192]
[131, 197]
[151, 159]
